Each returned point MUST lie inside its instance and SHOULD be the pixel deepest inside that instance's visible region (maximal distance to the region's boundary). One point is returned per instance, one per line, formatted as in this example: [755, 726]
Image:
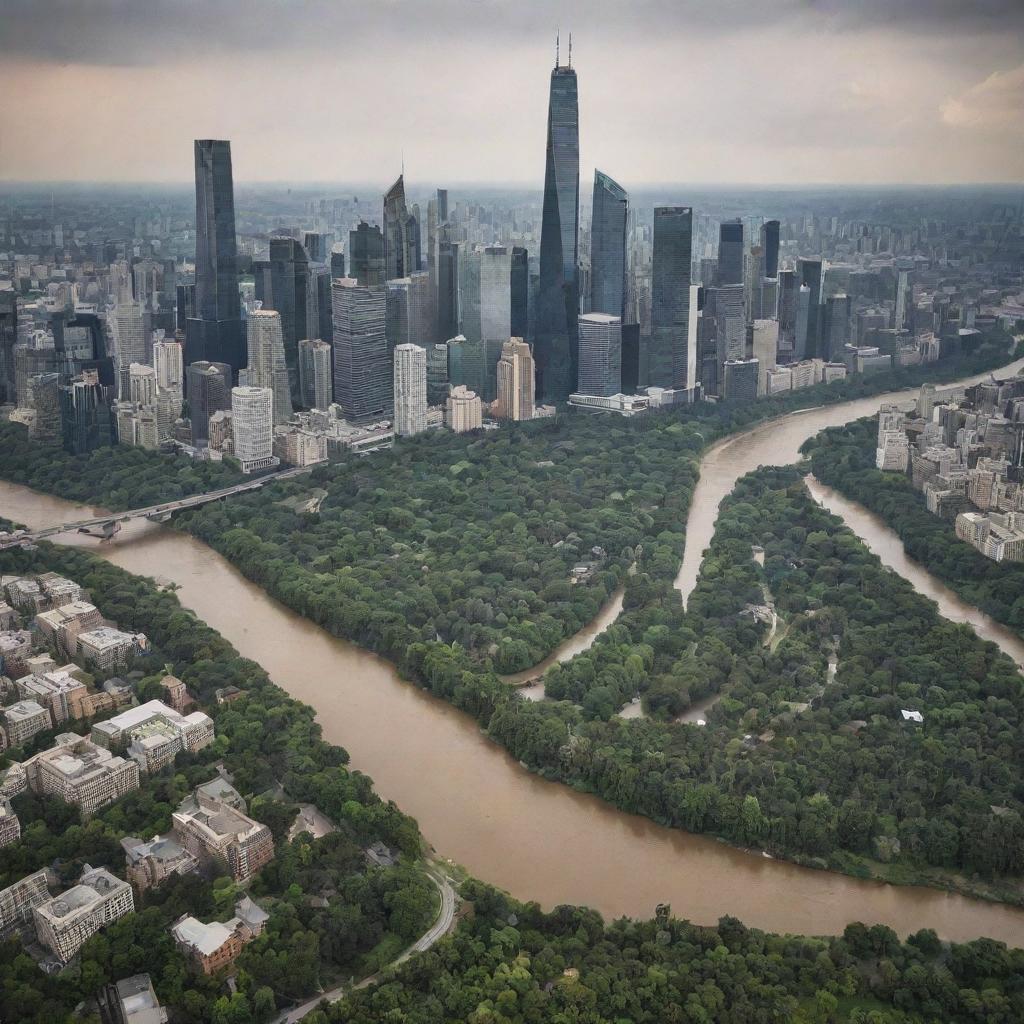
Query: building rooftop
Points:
[203, 938]
[104, 636]
[22, 710]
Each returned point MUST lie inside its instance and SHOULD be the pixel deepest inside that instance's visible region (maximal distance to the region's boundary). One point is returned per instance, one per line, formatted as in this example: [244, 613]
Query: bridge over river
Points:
[105, 525]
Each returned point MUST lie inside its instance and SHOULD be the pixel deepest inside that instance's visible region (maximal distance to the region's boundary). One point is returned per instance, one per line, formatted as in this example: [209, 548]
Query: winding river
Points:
[537, 839]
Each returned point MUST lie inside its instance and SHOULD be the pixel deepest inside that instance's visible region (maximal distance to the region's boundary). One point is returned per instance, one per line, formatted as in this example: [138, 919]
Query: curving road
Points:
[437, 931]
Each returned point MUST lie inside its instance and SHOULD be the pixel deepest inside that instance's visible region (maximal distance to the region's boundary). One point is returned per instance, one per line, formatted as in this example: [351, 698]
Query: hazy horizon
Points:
[740, 94]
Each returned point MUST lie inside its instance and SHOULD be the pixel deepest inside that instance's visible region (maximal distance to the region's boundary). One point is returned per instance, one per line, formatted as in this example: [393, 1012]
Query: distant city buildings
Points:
[964, 452]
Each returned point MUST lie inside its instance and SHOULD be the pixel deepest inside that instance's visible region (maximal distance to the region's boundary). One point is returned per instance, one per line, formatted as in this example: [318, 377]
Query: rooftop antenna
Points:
[570, 49]
[556, 47]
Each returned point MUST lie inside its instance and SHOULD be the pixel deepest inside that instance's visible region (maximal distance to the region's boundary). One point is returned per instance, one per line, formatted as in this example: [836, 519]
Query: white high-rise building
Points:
[410, 390]
[267, 366]
[765, 347]
[600, 354]
[252, 427]
[127, 325]
[168, 361]
[515, 381]
[315, 373]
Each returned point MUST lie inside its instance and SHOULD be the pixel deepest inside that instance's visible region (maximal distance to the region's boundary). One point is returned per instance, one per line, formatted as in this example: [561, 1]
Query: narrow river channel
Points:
[539, 840]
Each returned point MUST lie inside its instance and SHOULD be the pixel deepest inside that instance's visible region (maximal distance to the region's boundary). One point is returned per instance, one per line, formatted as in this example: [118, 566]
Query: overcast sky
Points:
[730, 91]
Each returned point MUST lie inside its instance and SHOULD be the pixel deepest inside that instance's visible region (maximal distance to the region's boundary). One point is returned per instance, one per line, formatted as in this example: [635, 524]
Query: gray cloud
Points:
[145, 32]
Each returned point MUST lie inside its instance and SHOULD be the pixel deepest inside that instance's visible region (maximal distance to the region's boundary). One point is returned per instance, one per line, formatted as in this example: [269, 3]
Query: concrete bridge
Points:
[106, 525]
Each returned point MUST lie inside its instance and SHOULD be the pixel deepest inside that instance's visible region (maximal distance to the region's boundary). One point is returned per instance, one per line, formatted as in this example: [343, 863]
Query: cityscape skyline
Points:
[711, 96]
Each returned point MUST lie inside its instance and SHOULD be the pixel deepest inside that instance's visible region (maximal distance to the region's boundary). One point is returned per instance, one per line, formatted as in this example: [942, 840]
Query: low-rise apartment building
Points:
[151, 863]
[213, 830]
[81, 773]
[65, 922]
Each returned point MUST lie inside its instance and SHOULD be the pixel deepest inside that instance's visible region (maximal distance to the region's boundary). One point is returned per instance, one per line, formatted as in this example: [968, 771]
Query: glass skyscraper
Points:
[558, 299]
[608, 246]
[401, 234]
[215, 332]
[366, 255]
[282, 283]
[668, 355]
[730, 252]
[362, 363]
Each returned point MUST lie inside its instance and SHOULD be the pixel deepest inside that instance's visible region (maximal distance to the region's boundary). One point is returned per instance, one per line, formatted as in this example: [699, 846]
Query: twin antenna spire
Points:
[558, 62]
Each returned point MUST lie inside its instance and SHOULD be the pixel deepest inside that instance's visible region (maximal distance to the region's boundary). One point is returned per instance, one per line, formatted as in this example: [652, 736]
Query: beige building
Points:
[175, 693]
[81, 773]
[215, 946]
[151, 863]
[10, 826]
[465, 411]
[154, 733]
[63, 625]
[213, 830]
[65, 922]
[59, 690]
[515, 381]
[108, 649]
[21, 721]
[18, 901]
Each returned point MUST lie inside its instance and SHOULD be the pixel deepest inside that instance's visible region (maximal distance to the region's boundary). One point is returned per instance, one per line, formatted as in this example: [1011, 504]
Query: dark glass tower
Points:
[558, 298]
[215, 332]
[363, 383]
[366, 255]
[770, 249]
[519, 322]
[208, 388]
[730, 252]
[608, 246]
[670, 296]
[401, 234]
[447, 290]
[8, 338]
[812, 274]
[282, 283]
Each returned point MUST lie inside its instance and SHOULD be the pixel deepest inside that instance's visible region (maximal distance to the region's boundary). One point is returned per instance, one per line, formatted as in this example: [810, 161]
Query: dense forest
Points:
[806, 758]
[512, 964]
[844, 458]
[115, 477]
[475, 540]
[263, 739]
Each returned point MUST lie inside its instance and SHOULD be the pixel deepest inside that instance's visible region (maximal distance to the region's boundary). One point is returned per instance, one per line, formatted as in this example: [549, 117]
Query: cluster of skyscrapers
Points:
[276, 347]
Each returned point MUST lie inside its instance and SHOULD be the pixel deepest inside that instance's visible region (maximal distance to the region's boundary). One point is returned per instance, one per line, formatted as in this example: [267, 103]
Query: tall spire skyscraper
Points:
[608, 246]
[215, 332]
[558, 300]
[401, 234]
